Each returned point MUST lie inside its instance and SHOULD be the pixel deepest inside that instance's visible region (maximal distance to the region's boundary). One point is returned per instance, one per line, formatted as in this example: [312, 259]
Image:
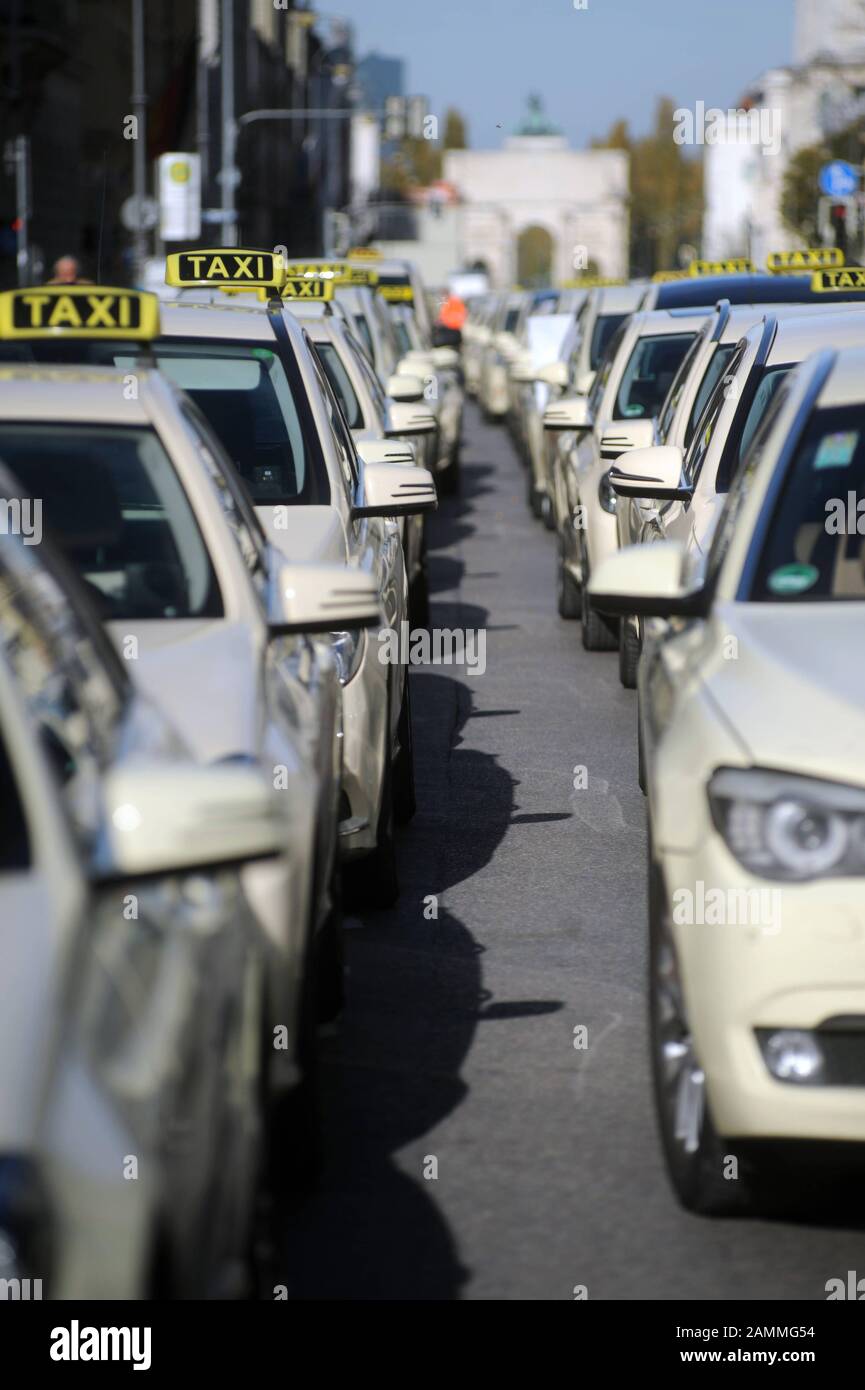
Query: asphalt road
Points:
[458, 1042]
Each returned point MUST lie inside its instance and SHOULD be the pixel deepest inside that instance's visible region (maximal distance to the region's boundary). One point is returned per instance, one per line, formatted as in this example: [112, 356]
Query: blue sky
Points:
[591, 66]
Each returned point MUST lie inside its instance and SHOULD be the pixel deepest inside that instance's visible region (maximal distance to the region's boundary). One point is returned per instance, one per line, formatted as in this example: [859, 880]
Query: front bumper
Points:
[794, 958]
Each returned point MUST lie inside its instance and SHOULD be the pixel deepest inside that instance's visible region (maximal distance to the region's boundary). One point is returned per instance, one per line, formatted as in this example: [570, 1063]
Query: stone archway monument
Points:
[579, 197]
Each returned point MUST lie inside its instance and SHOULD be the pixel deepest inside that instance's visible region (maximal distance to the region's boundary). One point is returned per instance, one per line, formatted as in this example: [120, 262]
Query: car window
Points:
[696, 453]
[341, 437]
[604, 369]
[340, 381]
[369, 376]
[674, 395]
[813, 549]
[605, 327]
[115, 505]
[770, 382]
[75, 693]
[717, 366]
[649, 374]
[365, 335]
[235, 503]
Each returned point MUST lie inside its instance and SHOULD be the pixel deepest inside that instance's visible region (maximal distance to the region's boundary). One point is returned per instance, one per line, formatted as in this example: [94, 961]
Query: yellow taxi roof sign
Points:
[307, 287]
[79, 311]
[591, 282]
[661, 277]
[225, 265]
[397, 294]
[363, 253]
[734, 265]
[340, 272]
[842, 277]
[814, 258]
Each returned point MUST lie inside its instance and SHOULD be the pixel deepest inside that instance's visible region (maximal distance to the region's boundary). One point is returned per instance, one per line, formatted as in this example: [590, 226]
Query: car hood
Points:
[790, 684]
[204, 674]
[305, 535]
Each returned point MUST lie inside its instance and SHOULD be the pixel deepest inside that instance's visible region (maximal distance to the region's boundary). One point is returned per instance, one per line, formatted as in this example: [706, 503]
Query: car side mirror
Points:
[553, 374]
[165, 818]
[649, 581]
[387, 450]
[390, 489]
[404, 387]
[406, 419]
[320, 598]
[569, 413]
[654, 473]
[445, 357]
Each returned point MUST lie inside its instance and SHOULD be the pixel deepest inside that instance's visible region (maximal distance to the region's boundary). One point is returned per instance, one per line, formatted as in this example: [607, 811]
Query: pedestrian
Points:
[67, 271]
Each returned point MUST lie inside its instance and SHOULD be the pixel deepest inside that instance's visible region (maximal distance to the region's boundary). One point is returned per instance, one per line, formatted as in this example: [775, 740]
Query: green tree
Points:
[666, 192]
[420, 161]
[800, 190]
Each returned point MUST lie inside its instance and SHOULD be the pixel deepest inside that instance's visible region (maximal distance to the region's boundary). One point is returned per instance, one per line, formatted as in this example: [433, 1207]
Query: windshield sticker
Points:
[793, 579]
[836, 450]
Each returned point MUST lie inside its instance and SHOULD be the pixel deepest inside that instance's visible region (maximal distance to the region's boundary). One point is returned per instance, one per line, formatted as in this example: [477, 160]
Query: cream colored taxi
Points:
[253, 375]
[637, 370]
[752, 726]
[666, 491]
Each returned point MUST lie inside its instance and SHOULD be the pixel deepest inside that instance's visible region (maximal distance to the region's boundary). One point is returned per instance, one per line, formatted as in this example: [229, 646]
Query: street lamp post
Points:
[139, 156]
[228, 176]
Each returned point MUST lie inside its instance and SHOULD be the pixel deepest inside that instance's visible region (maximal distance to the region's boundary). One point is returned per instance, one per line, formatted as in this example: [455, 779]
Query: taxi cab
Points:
[638, 368]
[757, 941]
[253, 375]
[134, 970]
[681, 492]
[147, 508]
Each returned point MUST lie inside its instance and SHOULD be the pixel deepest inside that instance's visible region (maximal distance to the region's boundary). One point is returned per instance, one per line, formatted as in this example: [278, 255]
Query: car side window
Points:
[342, 439]
[699, 446]
[75, 701]
[236, 507]
[606, 366]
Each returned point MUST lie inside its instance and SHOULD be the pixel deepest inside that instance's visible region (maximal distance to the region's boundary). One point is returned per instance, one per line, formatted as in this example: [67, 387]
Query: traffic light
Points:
[838, 224]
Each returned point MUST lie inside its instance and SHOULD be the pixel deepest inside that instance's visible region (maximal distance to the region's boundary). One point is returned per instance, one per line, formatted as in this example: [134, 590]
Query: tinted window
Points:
[340, 382]
[605, 327]
[649, 375]
[814, 550]
[714, 371]
[113, 502]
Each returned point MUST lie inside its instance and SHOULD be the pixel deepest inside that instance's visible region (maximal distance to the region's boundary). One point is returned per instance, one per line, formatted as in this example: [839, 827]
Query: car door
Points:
[159, 983]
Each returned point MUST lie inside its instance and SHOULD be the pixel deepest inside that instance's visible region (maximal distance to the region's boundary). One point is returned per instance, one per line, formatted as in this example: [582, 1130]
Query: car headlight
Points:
[348, 651]
[606, 496]
[782, 826]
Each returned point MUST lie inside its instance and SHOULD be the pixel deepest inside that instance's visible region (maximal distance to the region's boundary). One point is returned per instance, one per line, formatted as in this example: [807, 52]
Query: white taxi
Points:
[757, 826]
[133, 1002]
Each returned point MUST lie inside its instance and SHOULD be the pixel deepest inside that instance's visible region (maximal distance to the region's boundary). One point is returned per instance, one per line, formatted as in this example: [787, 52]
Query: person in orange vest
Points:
[452, 314]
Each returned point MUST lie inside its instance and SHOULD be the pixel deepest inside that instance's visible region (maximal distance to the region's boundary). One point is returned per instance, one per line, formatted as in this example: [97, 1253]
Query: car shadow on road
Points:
[373, 1230]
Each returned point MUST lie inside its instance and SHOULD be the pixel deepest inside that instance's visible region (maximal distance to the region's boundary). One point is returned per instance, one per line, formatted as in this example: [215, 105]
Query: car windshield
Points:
[113, 502]
[814, 548]
[605, 327]
[649, 374]
[340, 382]
[245, 394]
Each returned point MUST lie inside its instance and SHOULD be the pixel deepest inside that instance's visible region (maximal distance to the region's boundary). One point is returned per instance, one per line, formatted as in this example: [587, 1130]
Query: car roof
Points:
[185, 318]
[619, 299]
[845, 384]
[88, 394]
[660, 321]
[742, 289]
[796, 338]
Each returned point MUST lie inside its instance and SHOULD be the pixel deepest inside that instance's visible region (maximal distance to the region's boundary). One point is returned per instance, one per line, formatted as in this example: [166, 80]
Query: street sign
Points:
[838, 179]
[139, 214]
[179, 184]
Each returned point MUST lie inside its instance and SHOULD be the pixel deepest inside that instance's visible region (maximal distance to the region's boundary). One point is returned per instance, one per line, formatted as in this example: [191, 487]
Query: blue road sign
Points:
[839, 179]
